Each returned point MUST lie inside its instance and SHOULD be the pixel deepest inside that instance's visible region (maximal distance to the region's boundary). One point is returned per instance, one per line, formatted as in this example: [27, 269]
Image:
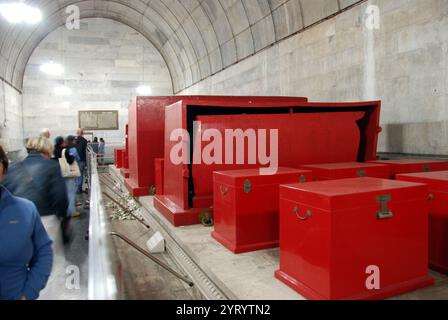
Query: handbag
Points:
[69, 170]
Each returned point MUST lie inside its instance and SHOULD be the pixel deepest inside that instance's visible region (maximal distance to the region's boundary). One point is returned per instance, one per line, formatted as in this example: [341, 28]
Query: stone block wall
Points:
[105, 61]
[404, 63]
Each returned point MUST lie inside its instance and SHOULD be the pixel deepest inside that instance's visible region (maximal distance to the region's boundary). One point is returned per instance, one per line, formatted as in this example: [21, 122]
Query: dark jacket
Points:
[81, 146]
[25, 252]
[40, 181]
[58, 154]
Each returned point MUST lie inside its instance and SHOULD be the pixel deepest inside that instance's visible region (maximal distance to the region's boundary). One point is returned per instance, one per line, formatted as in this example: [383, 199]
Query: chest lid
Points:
[437, 180]
[414, 164]
[336, 195]
[356, 167]
[239, 178]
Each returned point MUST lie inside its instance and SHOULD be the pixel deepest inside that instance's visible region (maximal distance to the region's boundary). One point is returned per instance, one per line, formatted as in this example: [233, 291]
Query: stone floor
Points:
[70, 260]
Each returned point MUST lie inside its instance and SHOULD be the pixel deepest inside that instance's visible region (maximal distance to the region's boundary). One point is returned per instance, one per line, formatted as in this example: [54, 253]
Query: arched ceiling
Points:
[197, 38]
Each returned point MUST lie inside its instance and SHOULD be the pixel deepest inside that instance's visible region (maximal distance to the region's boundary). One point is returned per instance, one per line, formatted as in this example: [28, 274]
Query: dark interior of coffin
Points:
[364, 124]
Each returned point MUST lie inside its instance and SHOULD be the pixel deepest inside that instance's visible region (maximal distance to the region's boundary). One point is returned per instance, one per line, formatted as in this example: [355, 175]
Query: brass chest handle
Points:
[308, 215]
[247, 186]
[385, 212]
[361, 173]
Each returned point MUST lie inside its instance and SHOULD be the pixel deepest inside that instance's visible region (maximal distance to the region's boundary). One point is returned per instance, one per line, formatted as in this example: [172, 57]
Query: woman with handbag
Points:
[67, 155]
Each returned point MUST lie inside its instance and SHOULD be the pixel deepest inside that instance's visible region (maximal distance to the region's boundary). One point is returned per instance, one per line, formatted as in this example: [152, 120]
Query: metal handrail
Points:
[102, 281]
[150, 256]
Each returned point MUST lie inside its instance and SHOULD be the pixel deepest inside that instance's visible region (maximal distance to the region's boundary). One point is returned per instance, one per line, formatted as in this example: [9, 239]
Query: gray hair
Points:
[40, 145]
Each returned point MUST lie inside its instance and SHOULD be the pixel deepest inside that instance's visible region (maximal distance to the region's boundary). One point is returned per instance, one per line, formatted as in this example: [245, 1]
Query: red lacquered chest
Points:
[119, 158]
[438, 215]
[246, 207]
[333, 171]
[413, 165]
[333, 234]
[125, 157]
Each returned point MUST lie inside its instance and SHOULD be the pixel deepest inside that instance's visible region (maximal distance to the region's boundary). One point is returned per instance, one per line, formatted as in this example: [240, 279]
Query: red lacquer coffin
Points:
[438, 215]
[307, 133]
[159, 176]
[246, 207]
[404, 166]
[333, 171]
[147, 134]
[361, 238]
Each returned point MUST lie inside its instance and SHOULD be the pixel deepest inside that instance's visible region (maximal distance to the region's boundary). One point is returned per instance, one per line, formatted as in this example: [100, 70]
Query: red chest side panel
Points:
[438, 215]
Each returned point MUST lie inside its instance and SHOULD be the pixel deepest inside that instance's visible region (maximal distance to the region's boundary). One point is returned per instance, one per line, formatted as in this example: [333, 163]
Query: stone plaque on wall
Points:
[98, 120]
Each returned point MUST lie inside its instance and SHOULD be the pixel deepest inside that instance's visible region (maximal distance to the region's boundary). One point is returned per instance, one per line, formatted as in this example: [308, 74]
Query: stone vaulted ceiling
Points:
[197, 38]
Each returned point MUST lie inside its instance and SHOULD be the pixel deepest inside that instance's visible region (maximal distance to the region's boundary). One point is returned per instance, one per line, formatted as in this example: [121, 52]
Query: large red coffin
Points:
[147, 130]
[125, 156]
[308, 133]
[438, 215]
[334, 233]
[333, 171]
[403, 166]
[246, 207]
[159, 167]
[119, 158]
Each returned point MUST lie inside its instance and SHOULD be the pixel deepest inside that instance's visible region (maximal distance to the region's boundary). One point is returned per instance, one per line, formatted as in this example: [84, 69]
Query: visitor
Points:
[101, 151]
[81, 146]
[72, 156]
[95, 145]
[26, 262]
[39, 180]
[45, 133]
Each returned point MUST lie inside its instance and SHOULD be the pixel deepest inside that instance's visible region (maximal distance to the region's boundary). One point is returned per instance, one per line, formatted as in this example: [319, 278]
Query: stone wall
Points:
[103, 66]
[404, 64]
[11, 123]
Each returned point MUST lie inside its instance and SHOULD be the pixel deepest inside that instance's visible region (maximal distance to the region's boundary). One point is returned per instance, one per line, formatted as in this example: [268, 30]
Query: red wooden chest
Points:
[308, 133]
[346, 170]
[361, 238]
[119, 158]
[245, 207]
[413, 165]
[125, 172]
[147, 134]
[159, 175]
[438, 215]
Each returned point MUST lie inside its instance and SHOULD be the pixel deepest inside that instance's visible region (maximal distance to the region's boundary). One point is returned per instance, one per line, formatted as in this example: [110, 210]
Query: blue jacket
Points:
[40, 181]
[26, 256]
